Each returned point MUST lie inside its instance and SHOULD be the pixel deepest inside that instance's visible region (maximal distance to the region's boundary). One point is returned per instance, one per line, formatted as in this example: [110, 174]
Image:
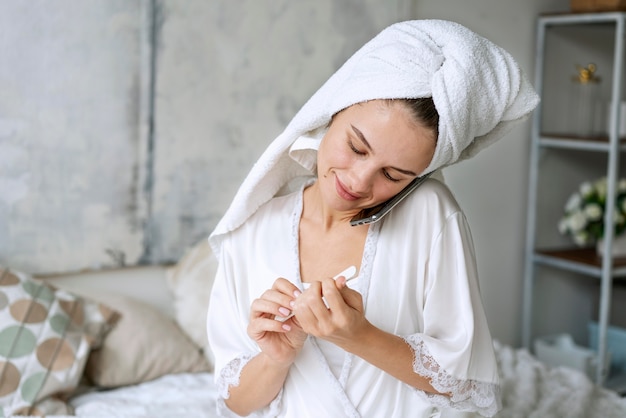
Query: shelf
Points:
[587, 143]
[561, 39]
[579, 260]
[578, 18]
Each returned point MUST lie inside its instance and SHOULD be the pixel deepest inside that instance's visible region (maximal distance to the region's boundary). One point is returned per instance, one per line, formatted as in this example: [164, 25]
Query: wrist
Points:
[278, 365]
[361, 336]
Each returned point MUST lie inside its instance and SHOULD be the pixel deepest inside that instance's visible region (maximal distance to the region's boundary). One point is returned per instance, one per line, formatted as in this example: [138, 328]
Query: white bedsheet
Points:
[171, 396]
[530, 389]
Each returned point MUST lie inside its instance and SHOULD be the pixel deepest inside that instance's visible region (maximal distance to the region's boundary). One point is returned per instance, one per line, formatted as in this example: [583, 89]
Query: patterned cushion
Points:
[45, 338]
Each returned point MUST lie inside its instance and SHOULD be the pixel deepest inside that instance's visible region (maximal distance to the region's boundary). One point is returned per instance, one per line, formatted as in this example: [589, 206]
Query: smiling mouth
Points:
[343, 192]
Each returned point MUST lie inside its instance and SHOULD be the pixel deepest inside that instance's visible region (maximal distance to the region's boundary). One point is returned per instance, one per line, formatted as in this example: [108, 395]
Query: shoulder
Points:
[272, 214]
[434, 195]
[278, 206]
[432, 203]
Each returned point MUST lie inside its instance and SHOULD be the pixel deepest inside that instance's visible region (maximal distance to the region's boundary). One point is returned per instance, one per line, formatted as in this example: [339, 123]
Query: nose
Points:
[361, 179]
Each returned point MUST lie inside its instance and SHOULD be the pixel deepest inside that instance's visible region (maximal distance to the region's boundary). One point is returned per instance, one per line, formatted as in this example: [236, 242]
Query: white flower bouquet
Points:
[584, 212]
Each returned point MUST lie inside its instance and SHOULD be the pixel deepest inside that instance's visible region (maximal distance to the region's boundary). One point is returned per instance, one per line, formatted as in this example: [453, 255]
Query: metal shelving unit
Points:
[580, 261]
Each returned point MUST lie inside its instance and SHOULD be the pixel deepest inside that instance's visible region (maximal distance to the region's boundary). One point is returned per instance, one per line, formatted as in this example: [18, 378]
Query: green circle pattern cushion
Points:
[46, 335]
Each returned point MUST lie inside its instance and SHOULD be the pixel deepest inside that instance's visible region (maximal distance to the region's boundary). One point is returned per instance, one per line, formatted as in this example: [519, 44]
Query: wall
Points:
[71, 111]
[126, 127]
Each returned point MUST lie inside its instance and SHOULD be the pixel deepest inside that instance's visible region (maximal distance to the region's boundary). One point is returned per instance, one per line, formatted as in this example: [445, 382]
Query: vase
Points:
[585, 102]
[619, 246]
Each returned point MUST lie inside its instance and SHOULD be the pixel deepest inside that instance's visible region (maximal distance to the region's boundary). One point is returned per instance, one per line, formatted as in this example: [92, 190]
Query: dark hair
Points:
[424, 112]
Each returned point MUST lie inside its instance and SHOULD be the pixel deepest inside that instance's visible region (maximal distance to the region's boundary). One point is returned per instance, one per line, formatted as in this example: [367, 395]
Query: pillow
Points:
[145, 344]
[46, 335]
[190, 282]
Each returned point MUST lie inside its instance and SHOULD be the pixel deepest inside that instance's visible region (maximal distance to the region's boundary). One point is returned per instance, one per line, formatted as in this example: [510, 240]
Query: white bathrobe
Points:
[418, 280]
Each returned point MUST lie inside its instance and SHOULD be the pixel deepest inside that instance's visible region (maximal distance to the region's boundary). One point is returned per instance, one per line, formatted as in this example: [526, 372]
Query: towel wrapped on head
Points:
[477, 87]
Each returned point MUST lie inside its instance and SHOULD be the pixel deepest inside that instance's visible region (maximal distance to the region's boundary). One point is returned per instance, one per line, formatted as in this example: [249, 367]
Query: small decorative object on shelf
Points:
[578, 6]
[584, 215]
[587, 105]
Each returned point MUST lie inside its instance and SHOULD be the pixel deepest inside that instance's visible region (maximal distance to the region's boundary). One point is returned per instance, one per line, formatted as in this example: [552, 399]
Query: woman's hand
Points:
[279, 341]
[341, 321]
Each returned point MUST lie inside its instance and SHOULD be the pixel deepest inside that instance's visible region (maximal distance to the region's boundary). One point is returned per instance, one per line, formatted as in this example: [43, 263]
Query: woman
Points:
[408, 337]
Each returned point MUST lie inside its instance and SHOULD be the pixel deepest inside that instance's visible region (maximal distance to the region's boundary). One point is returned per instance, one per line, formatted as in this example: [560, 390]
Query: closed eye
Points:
[355, 149]
[386, 174]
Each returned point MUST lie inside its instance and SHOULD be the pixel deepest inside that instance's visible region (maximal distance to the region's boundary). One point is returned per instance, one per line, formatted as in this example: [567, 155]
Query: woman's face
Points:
[371, 151]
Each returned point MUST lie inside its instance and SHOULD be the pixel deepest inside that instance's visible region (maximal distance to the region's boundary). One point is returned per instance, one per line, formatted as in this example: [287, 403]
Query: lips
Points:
[343, 192]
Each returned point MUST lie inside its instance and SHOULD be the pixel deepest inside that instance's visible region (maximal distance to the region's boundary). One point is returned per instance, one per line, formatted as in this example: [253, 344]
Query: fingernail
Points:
[292, 303]
[284, 311]
[297, 293]
[286, 327]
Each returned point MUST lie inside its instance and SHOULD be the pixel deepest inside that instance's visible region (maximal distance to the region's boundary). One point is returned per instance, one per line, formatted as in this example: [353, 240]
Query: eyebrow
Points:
[367, 144]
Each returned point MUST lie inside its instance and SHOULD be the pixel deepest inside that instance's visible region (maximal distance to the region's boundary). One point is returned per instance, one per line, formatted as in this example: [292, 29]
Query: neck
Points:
[317, 212]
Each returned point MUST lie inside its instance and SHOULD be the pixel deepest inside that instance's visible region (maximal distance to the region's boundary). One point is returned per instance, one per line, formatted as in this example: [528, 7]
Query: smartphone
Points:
[376, 213]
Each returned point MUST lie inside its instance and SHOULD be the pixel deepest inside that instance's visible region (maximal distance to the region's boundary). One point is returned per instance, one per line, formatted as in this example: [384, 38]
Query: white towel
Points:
[477, 87]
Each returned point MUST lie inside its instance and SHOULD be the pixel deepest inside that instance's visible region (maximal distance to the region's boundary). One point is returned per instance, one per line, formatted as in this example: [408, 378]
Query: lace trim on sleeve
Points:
[465, 395]
[229, 376]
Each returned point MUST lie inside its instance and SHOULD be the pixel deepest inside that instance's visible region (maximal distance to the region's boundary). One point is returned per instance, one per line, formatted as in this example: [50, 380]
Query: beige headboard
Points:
[147, 284]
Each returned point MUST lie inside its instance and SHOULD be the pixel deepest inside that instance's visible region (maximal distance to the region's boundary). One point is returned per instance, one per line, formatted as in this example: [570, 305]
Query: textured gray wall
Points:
[70, 112]
[95, 174]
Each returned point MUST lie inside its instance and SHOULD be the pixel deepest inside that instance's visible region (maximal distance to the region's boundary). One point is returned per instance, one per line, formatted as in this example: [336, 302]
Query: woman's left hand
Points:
[342, 320]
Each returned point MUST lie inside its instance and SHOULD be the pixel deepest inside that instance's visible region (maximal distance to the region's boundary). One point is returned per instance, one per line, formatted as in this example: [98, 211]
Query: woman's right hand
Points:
[279, 341]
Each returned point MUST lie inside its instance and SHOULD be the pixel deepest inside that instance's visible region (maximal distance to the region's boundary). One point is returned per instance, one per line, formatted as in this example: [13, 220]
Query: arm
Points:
[253, 351]
[388, 352]
[425, 374]
[345, 325]
[260, 382]
[263, 376]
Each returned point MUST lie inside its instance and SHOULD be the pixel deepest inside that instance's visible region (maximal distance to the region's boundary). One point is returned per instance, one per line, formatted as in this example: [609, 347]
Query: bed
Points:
[135, 346]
